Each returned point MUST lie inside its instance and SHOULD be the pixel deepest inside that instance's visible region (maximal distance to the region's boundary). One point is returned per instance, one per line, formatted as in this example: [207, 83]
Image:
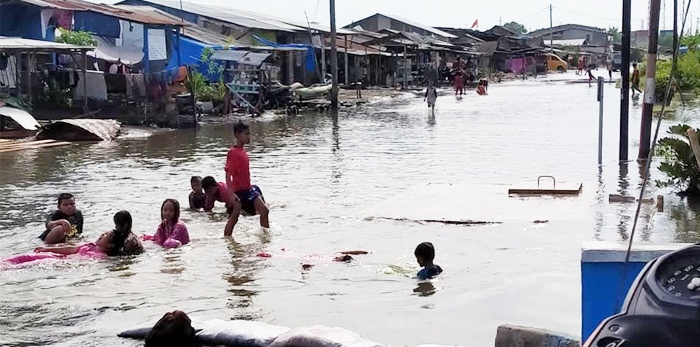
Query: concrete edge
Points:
[615, 252]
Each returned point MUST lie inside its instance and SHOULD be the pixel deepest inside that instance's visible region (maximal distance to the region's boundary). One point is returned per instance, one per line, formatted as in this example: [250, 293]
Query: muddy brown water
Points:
[323, 176]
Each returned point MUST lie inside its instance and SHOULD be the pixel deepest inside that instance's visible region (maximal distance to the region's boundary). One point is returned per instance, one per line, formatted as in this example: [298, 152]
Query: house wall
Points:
[21, 20]
[595, 38]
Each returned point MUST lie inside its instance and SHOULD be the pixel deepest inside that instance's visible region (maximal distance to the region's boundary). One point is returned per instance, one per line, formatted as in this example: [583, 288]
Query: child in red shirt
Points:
[246, 197]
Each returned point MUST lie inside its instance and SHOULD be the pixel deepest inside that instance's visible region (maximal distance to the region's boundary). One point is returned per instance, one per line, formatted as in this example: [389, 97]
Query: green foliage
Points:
[195, 83]
[679, 164]
[214, 68]
[516, 27]
[80, 38]
[687, 74]
[614, 32]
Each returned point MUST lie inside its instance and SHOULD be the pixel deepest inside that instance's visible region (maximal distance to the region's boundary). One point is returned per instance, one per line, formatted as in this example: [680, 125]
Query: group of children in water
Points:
[237, 194]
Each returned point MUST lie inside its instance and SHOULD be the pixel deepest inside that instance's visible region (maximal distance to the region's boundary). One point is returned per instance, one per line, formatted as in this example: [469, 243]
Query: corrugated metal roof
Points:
[133, 14]
[421, 26]
[20, 43]
[226, 14]
[228, 55]
[241, 57]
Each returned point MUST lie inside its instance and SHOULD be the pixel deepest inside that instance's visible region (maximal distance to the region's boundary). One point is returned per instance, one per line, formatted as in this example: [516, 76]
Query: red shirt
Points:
[238, 166]
[222, 195]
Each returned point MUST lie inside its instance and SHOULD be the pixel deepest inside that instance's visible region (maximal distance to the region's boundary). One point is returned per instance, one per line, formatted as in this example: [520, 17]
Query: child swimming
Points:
[172, 232]
[425, 254]
[197, 196]
[64, 223]
[112, 243]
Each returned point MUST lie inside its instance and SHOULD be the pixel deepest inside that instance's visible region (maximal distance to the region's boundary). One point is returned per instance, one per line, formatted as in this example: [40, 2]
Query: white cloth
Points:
[96, 86]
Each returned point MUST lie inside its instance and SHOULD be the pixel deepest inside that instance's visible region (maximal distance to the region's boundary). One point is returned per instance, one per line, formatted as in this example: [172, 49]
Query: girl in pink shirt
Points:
[172, 232]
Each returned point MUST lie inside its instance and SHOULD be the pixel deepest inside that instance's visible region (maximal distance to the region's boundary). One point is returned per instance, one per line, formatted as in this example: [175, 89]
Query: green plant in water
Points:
[678, 162]
[80, 38]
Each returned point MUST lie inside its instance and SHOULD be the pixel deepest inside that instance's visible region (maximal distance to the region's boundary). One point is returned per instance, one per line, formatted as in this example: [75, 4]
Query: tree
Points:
[614, 32]
[515, 27]
[79, 38]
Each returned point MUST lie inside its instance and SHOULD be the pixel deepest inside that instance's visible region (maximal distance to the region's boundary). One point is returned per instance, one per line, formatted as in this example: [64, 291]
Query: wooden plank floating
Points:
[541, 187]
[32, 145]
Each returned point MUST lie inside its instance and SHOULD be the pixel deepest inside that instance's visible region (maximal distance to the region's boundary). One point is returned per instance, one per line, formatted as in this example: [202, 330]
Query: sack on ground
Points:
[238, 333]
[322, 336]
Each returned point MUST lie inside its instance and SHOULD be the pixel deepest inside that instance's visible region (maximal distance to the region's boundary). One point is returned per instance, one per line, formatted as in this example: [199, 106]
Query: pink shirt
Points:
[91, 250]
[222, 195]
[172, 236]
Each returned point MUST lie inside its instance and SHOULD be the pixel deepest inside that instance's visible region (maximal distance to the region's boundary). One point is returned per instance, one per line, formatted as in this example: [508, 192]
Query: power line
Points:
[534, 14]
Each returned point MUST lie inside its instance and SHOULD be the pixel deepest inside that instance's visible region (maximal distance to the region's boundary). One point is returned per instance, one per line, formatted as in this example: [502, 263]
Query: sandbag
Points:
[322, 336]
[136, 333]
[140, 332]
[238, 333]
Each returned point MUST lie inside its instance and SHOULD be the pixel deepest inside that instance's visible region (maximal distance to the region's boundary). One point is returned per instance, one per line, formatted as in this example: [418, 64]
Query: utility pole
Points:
[551, 30]
[334, 59]
[625, 70]
[649, 87]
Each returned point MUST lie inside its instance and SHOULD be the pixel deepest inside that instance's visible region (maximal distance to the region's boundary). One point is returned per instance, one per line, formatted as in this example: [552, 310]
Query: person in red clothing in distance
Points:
[246, 197]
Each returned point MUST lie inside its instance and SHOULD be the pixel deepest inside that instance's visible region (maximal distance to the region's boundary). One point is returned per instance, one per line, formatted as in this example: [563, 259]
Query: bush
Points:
[679, 164]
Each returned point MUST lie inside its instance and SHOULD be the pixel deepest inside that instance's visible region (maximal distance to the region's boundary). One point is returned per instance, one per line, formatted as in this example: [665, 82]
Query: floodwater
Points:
[323, 177]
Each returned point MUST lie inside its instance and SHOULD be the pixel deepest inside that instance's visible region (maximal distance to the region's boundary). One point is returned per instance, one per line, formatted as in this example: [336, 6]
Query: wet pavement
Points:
[323, 177]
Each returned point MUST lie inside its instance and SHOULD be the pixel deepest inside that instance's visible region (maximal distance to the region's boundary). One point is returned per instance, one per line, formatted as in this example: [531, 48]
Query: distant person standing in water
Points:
[431, 95]
[635, 80]
[246, 197]
[459, 83]
[610, 69]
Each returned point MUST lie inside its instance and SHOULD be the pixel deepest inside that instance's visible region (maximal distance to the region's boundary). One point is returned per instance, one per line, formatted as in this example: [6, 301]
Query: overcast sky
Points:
[534, 14]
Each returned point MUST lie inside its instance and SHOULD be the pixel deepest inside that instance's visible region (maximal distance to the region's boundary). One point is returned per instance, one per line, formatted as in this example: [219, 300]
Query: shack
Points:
[20, 60]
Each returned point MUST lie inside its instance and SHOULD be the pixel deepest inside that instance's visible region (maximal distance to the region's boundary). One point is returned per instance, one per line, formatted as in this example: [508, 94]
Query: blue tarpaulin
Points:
[310, 51]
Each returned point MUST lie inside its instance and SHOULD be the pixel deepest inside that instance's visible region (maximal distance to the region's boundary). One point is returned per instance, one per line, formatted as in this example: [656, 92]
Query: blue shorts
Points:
[248, 197]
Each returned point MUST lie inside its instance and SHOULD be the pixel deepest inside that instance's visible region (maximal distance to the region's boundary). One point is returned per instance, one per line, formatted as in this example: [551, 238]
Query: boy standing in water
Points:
[425, 254]
[245, 196]
[64, 223]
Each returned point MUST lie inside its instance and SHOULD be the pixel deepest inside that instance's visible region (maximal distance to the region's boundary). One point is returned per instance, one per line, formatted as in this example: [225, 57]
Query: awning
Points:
[107, 51]
[228, 55]
[241, 57]
[254, 59]
[23, 118]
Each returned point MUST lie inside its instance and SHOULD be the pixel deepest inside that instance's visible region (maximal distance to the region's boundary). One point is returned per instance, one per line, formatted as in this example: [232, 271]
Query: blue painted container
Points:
[602, 266]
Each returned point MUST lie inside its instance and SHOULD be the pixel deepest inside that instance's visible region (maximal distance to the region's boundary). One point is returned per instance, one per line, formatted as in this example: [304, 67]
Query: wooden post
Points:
[347, 62]
[146, 61]
[649, 88]
[625, 71]
[334, 59]
[86, 109]
[29, 77]
[323, 57]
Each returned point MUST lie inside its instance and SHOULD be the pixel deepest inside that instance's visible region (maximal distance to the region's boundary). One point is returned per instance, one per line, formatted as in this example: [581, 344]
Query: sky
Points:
[534, 14]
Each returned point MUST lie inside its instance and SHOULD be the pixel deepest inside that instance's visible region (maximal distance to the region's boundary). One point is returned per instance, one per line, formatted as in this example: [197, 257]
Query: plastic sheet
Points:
[322, 336]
